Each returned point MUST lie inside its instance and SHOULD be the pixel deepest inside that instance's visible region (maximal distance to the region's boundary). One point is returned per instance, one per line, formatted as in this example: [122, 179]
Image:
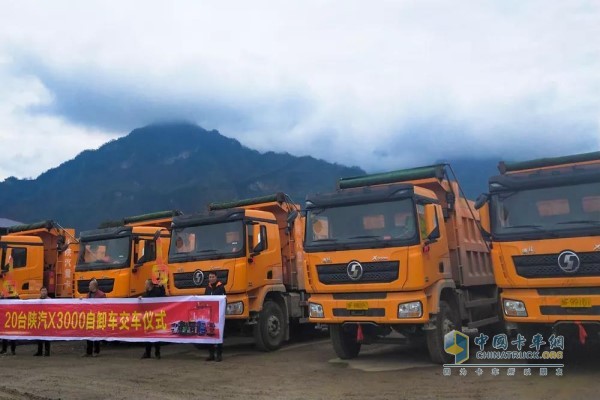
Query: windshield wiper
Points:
[365, 237]
[582, 221]
[207, 251]
[324, 240]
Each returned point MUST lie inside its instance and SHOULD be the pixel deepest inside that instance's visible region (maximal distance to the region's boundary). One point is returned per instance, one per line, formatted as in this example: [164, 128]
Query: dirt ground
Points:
[305, 370]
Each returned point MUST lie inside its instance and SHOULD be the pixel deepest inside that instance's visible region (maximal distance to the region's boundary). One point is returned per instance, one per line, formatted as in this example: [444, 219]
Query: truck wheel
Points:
[269, 332]
[344, 342]
[446, 321]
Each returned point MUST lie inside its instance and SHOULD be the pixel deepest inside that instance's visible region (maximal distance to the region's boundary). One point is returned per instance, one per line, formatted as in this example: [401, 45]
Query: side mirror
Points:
[432, 226]
[290, 219]
[481, 200]
[484, 221]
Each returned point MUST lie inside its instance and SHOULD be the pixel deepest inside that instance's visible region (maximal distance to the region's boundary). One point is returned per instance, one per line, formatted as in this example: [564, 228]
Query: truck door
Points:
[264, 253]
[144, 259]
[436, 257]
[23, 268]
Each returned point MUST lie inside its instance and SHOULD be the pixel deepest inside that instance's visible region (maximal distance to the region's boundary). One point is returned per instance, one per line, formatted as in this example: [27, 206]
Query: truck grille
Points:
[546, 265]
[106, 285]
[371, 312]
[557, 310]
[569, 291]
[185, 280]
[372, 272]
[359, 296]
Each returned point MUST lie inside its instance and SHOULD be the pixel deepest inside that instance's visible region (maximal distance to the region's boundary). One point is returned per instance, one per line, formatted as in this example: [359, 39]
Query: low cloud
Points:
[379, 85]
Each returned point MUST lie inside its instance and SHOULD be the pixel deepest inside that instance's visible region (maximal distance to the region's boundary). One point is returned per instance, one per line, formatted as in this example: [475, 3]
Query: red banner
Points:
[179, 319]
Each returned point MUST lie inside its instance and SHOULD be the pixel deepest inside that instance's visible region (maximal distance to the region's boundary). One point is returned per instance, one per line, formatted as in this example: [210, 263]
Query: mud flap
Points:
[582, 333]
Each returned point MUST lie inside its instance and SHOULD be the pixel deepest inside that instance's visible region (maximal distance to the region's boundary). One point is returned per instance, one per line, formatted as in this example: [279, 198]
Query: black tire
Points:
[344, 341]
[269, 332]
[446, 321]
[497, 327]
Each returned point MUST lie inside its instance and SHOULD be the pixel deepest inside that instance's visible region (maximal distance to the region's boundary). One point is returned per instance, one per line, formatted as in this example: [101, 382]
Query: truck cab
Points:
[543, 218]
[253, 246]
[398, 253]
[122, 258]
[35, 256]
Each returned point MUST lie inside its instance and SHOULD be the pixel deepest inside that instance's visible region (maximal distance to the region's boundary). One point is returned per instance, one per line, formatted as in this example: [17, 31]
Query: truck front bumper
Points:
[551, 305]
[378, 308]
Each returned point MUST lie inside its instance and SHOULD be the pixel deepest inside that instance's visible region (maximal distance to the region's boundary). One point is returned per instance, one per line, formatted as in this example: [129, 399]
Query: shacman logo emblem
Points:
[198, 277]
[354, 270]
[569, 262]
[457, 344]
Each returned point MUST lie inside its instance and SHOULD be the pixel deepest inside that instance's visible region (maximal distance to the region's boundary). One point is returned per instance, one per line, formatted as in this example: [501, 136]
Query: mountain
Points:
[162, 167]
[178, 166]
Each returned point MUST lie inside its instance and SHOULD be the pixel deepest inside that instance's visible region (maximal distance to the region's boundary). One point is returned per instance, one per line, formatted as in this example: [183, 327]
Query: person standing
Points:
[153, 290]
[5, 343]
[43, 343]
[93, 346]
[13, 346]
[215, 288]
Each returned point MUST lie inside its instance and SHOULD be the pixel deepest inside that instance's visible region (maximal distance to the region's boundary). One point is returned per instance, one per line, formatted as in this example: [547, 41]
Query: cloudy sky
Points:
[379, 84]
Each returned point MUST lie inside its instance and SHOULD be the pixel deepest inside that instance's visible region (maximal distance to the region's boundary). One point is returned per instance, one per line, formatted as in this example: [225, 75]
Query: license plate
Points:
[575, 302]
[357, 305]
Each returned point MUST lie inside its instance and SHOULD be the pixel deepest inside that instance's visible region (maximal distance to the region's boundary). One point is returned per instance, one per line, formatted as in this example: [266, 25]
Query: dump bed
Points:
[61, 250]
[579, 160]
[469, 254]
[162, 219]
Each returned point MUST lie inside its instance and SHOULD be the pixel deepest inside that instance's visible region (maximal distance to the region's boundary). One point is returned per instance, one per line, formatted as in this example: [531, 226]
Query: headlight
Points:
[236, 308]
[414, 309]
[316, 310]
[515, 308]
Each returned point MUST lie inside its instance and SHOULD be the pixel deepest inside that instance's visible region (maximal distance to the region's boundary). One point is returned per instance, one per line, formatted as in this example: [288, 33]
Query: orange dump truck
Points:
[36, 255]
[543, 218]
[122, 258]
[255, 248]
[399, 253]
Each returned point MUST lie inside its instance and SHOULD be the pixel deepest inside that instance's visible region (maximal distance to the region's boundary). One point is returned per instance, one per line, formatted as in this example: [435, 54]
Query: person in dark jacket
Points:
[93, 346]
[43, 343]
[215, 288]
[153, 290]
[5, 343]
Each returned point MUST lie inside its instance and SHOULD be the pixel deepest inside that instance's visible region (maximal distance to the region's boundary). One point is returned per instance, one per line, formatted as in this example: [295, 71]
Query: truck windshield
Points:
[207, 242]
[104, 254]
[546, 211]
[362, 225]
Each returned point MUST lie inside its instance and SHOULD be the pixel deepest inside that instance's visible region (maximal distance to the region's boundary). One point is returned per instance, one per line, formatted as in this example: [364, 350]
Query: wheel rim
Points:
[273, 326]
